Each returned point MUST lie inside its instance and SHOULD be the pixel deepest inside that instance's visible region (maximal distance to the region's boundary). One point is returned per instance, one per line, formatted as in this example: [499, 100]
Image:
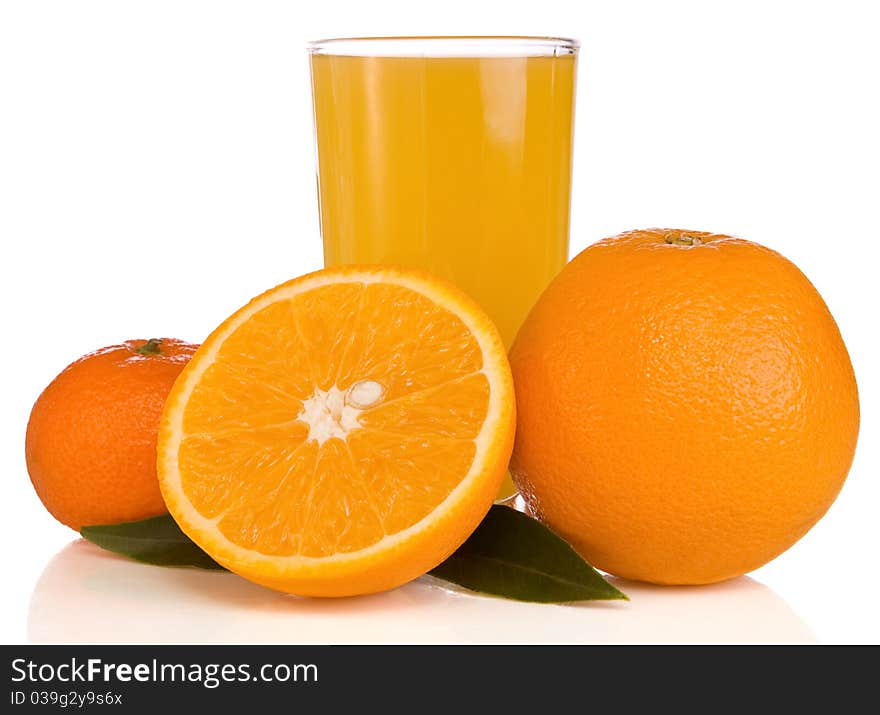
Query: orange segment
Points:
[455, 409]
[342, 433]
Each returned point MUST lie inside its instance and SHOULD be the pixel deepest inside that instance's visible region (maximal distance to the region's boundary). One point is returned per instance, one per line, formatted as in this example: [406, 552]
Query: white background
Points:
[156, 171]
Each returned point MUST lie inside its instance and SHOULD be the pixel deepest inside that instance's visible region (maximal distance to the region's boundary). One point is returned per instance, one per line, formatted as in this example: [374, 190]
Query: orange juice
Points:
[452, 154]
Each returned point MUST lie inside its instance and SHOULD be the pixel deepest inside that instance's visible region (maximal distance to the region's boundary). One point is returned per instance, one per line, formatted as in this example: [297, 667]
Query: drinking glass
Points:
[448, 153]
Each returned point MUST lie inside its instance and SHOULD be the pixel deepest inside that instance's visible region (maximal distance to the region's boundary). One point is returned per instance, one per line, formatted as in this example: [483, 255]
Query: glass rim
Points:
[445, 46]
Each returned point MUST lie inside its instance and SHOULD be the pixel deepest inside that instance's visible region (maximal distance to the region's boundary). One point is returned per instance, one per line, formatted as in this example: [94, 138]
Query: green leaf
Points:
[509, 555]
[156, 541]
[514, 556]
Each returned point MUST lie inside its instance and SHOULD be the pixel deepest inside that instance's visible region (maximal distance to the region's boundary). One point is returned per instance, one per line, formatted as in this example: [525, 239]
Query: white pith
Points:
[334, 413]
[328, 413]
[318, 413]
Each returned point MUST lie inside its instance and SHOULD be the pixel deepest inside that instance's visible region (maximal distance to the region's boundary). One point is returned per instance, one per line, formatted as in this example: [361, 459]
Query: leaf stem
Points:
[151, 347]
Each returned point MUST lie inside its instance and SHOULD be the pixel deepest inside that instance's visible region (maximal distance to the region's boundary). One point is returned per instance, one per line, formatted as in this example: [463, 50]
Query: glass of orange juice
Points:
[448, 153]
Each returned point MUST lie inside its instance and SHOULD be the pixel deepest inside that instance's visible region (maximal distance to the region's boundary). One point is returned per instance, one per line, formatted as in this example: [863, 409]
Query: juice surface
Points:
[459, 165]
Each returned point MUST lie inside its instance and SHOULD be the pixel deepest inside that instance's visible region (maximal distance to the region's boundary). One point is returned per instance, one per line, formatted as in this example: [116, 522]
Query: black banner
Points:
[117, 679]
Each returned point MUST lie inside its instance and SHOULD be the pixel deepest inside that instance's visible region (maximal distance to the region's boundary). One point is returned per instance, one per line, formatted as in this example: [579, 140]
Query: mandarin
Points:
[91, 438]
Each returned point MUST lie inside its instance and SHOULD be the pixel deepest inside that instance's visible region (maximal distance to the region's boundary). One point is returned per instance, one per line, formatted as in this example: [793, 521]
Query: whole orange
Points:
[687, 409]
[91, 437]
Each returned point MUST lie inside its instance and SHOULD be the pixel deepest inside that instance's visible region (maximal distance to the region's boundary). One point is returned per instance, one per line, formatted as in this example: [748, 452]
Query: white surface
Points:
[156, 171]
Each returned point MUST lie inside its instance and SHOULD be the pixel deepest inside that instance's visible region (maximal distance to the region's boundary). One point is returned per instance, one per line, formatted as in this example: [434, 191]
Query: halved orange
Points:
[343, 433]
